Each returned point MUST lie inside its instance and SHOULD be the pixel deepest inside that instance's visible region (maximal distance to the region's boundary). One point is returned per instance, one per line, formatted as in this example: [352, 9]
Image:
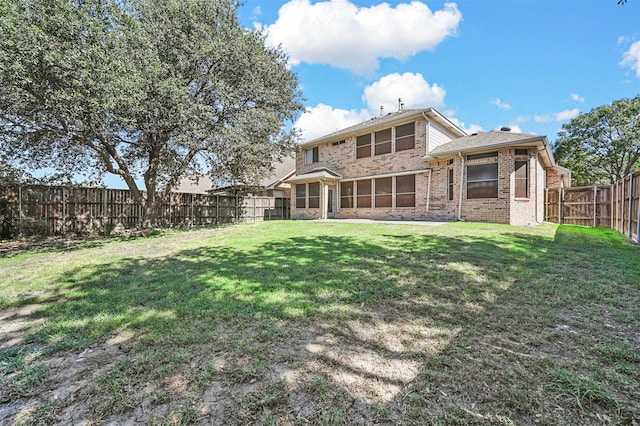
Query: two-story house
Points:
[418, 165]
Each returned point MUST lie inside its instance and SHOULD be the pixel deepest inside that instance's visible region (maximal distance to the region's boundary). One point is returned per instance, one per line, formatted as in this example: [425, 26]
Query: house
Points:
[273, 185]
[418, 165]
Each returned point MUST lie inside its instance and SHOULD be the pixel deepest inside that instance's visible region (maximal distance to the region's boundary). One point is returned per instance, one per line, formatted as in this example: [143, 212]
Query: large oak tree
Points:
[148, 90]
[603, 145]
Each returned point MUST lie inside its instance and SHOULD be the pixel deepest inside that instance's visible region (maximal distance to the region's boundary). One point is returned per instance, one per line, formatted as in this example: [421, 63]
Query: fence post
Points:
[595, 205]
[631, 182]
[638, 230]
[546, 204]
[237, 215]
[217, 208]
[612, 213]
[64, 218]
[192, 212]
[560, 190]
[254, 208]
[20, 209]
[104, 211]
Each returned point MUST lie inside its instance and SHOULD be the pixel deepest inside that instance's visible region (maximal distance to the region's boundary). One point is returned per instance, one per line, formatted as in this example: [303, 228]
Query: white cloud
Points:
[631, 58]
[577, 97]
[343, 35]
[565, 115]
[413, 89]
[474, 128]
[502, 105]
[323, 119]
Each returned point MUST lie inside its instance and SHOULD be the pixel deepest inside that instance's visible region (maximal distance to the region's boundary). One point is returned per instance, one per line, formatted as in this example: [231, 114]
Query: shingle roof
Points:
[480, 141]
[432, 113]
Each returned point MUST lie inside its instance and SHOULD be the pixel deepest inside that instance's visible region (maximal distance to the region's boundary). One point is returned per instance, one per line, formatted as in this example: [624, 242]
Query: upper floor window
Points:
[363, 146]
[405, 137]
[311, 156]
[383, 141]
[482, 181]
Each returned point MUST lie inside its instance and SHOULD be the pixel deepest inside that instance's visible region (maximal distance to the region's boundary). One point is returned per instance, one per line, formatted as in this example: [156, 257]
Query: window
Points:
[364, 193]
[301, 196]
[450, 184]
[522, 151]
[311, 156]
[383, 142]
[406, 191]
[405, 137]
[314, 195]
[383, 192]
[522, 179]
[482, 181]
[480, 156]
[363, 146]
[346, 195]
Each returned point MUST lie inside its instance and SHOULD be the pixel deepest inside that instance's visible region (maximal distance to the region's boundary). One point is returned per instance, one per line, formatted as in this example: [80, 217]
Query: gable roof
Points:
[376, 122]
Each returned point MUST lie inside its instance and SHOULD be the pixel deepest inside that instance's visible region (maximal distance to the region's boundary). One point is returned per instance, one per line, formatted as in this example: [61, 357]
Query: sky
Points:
[530, 65]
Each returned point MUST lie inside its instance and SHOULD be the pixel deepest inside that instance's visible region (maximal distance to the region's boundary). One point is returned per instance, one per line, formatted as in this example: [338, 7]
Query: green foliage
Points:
[141, 89]
[603, 145]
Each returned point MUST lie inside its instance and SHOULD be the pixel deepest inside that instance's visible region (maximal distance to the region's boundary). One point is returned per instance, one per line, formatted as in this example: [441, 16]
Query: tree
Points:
[603, 145]
[147, 90]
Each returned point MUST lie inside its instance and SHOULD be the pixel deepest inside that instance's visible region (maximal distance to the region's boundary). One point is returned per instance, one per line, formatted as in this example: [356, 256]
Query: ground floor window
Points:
[450, 184]
[301, 196]
[522, 179]
[482, 181]
[364, 193]
[383, 192]
[346, 195]
[314, 195]
[406, 191]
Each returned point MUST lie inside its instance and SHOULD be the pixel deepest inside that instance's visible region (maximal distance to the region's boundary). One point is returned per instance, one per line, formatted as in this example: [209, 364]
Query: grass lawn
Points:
[287, 323]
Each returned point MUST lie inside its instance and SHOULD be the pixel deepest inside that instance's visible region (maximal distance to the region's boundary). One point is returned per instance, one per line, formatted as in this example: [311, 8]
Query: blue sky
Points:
[531, 65]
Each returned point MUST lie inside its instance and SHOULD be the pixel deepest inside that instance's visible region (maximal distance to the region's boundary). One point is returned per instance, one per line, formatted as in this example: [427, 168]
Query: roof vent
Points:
[505, 129]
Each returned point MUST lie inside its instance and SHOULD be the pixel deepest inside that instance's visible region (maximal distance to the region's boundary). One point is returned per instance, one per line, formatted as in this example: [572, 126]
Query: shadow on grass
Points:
[494, 298]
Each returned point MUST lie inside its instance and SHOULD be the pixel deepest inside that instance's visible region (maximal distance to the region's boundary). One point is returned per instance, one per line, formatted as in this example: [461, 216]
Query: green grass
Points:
[328, 323]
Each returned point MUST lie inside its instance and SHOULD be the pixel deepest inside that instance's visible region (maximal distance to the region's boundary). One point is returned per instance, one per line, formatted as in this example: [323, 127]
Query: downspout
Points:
[536, 177]
[426, 149]
[429, 190]
[461, 178]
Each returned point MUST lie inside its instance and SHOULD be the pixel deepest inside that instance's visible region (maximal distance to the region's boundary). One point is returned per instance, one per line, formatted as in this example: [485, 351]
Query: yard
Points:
[294, 323]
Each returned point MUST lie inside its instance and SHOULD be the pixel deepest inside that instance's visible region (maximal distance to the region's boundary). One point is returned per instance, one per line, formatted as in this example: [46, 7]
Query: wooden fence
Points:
[49, 210]
[614, 206]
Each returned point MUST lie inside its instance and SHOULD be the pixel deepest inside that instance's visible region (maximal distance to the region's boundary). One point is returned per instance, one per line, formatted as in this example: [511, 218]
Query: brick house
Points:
[418, 165]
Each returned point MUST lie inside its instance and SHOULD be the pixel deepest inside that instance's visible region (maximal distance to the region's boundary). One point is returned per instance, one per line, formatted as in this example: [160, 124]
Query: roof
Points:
[316, 174]
[390, 118]
[283, 169]
[486, 140]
